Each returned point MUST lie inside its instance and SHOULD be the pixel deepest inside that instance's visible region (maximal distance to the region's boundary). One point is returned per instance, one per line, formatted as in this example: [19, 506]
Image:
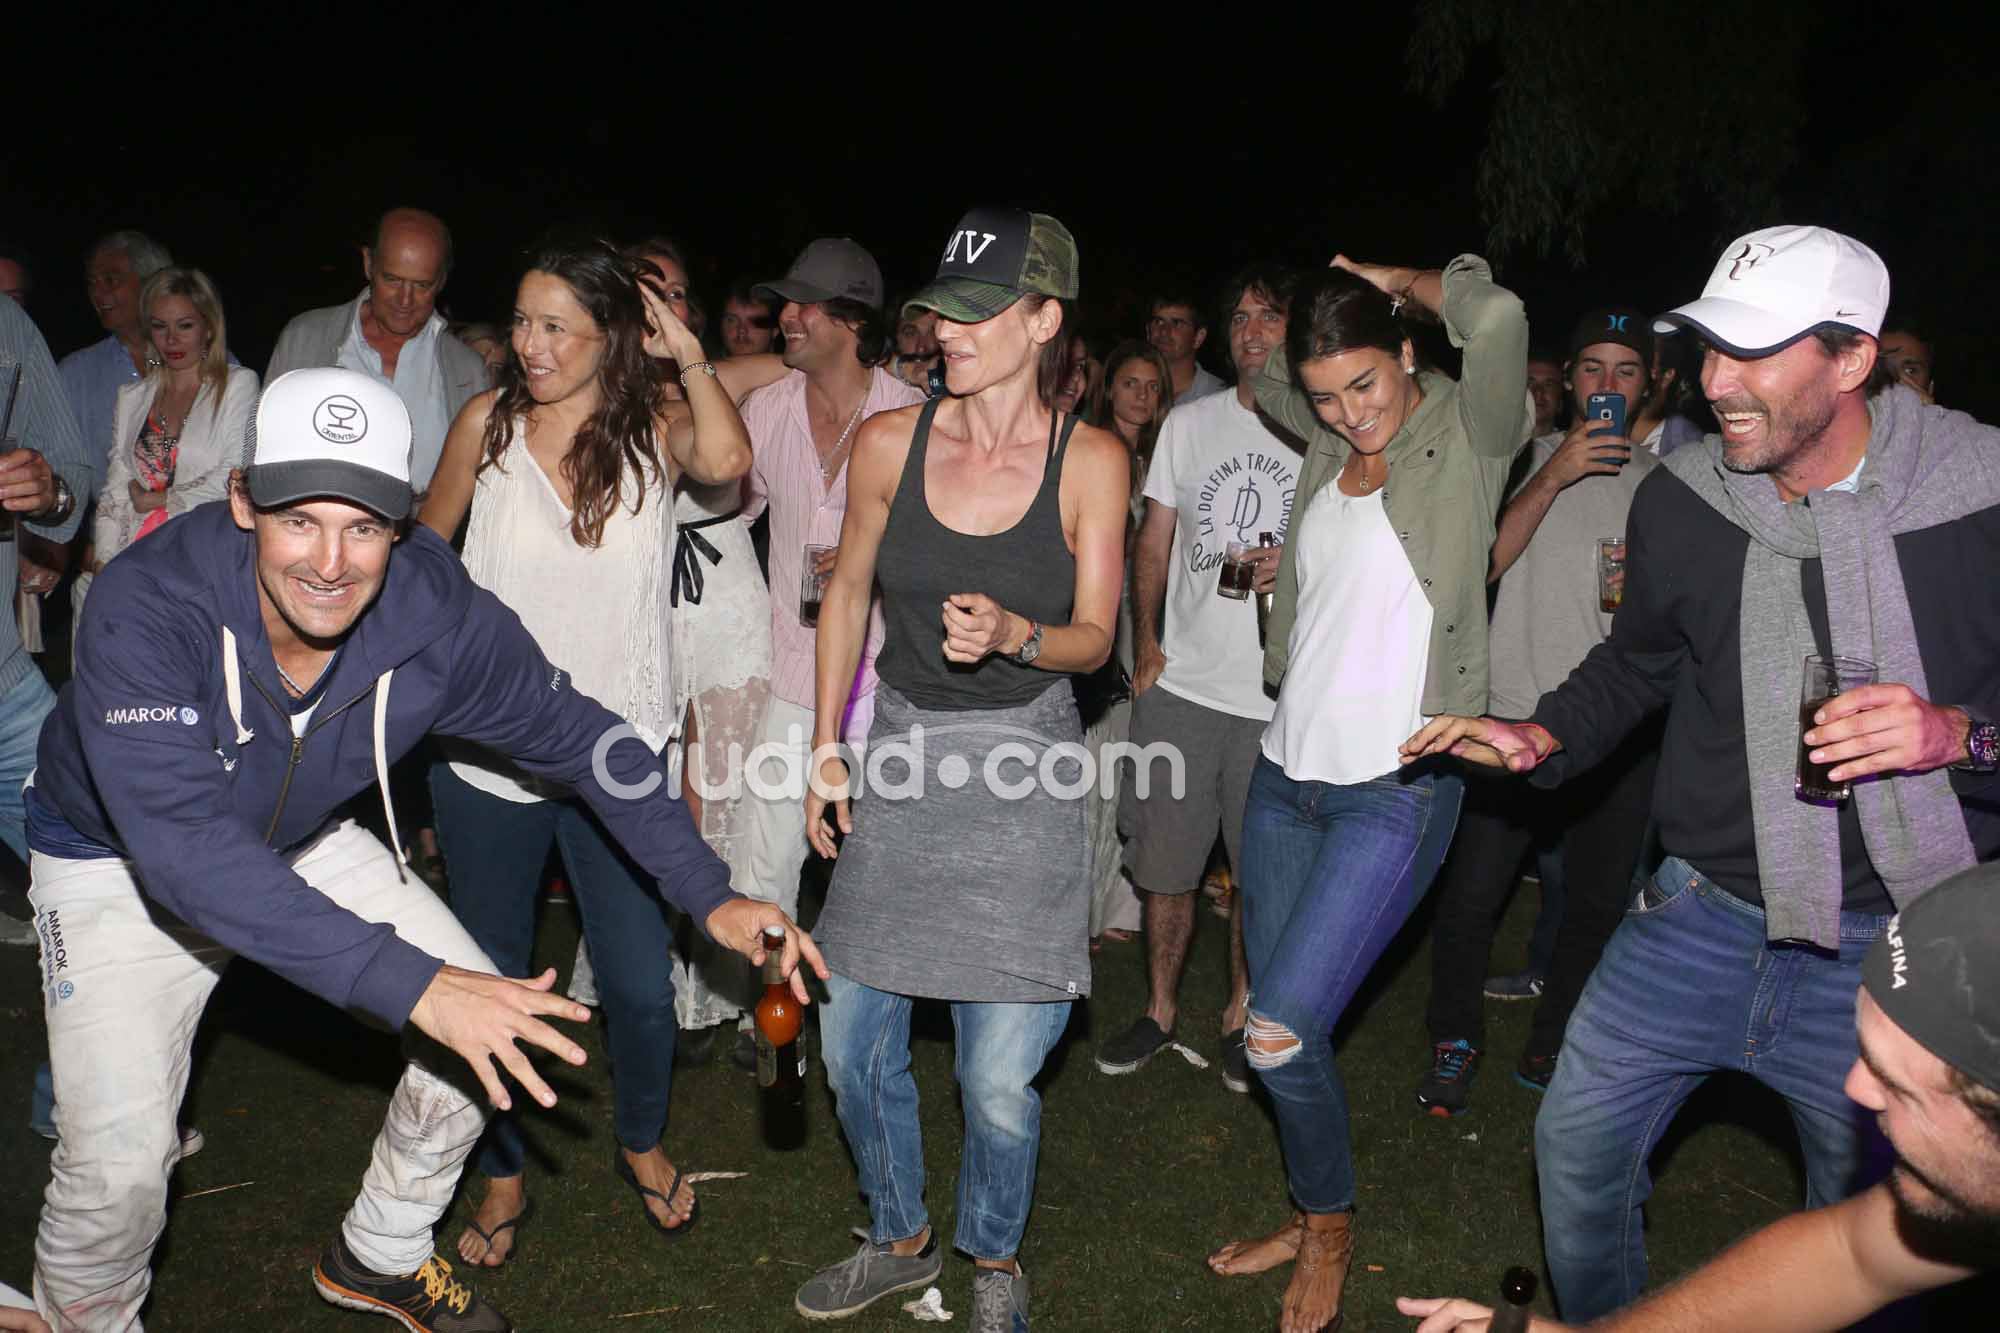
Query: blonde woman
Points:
[177, 432]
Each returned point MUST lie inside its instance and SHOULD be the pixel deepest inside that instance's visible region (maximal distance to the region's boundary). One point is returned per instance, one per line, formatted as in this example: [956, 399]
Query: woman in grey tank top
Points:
[996, 528]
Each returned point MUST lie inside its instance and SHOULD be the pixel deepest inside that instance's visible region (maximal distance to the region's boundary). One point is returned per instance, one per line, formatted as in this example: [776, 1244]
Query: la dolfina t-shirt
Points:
[1228, 479]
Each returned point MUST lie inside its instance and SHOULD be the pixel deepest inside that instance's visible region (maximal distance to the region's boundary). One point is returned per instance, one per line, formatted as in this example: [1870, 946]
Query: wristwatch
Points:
[65, 502]
[1982, 746]
[1031, 647]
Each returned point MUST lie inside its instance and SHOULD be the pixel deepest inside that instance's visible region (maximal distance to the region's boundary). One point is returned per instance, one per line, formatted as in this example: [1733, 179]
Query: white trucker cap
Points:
[1775, 286]
[328, 433]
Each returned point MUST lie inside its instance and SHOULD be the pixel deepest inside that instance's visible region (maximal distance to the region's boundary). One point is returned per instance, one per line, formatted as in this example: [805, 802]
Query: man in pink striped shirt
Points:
[801, 429]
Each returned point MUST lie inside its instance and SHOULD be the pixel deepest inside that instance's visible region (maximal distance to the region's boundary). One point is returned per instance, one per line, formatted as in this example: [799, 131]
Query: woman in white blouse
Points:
[178, 431]
[568, 467]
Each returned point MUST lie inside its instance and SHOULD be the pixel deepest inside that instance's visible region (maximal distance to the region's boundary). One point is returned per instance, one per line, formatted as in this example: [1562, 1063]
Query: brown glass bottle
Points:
[1264, 539]
[781, 1059]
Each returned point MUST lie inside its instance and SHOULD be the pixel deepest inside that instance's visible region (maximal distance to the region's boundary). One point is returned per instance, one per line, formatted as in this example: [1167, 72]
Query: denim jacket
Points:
[1447, 474]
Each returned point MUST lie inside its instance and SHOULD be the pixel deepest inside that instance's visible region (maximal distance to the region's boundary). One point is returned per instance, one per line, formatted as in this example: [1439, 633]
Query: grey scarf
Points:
[1925, 466]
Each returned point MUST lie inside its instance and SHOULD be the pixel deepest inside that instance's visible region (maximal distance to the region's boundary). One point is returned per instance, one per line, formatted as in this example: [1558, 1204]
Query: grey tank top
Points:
[1028, 569]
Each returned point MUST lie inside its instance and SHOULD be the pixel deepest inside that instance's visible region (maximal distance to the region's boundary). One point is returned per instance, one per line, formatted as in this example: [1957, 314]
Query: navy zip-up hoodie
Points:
[142, 754]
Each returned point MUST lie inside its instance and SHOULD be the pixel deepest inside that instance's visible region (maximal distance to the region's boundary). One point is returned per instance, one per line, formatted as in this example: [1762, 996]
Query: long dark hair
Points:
[618, 438]
[1333, 311]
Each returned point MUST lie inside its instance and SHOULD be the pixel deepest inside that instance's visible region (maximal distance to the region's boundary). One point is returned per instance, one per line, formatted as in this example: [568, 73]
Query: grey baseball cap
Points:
[832, 266]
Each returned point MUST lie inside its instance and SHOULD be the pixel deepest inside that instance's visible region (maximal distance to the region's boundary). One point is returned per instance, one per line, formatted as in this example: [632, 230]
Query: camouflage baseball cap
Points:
[996, 256]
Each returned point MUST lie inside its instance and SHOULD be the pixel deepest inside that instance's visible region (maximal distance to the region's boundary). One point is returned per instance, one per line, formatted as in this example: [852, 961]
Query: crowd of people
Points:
[1409, 625]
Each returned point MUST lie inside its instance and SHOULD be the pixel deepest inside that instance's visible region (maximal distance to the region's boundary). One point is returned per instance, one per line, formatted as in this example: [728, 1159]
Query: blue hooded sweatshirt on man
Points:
[173, 746]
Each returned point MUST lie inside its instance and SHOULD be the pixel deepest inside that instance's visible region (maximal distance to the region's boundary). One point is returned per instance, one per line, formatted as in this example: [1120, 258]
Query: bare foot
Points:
[1312, 1301]
[1239, 1257]
[655, 1172]
[505, 1198]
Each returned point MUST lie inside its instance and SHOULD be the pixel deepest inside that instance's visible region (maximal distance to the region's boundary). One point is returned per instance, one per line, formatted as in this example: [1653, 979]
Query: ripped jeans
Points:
[1330, 874]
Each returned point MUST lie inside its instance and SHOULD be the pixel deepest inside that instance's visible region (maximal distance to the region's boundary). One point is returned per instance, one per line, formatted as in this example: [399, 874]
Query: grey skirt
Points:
[967, 876]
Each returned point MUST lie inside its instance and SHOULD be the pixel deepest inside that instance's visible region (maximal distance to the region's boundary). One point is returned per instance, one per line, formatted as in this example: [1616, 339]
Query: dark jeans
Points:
[1330, 874]
[1598, 821]
[494, 851]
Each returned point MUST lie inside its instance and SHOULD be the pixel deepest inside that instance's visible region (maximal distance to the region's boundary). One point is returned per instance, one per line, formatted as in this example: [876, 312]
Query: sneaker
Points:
[852, 1285]
[1235, 1061]
[1447, 1089]
[1519, 986]
[191, 1141]
[1134, 1046]
[695, 1047]
[1535, 1071]
[744, 1053]
[430, 1300]
[999, 1301]
[14, 931]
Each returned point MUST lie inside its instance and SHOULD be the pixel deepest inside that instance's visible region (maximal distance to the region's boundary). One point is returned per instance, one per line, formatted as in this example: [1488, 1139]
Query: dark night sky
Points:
[1163, 159]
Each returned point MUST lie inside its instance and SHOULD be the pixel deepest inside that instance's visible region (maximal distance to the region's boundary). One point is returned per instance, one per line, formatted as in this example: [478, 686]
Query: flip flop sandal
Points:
[514, 1224]
[630, 1177]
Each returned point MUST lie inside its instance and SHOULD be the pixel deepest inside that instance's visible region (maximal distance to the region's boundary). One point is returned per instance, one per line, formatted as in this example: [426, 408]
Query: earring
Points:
[1410, 369]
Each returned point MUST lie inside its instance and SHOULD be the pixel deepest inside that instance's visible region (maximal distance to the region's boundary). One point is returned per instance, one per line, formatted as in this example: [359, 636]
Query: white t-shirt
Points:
[1227, 479]
[1359, 648]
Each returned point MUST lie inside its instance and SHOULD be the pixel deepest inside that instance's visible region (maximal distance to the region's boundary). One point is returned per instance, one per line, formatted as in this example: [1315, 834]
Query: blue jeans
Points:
[22, 712]
[494, 850]
[865, 1041]
[1330, 874]
[1688, 986]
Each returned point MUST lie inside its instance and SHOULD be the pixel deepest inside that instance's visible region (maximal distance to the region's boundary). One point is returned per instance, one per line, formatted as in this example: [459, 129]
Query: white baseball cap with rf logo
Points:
[328, 433]
[1775, 286]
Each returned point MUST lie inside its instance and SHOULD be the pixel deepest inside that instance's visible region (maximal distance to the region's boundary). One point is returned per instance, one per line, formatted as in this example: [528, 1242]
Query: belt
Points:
[689, 549]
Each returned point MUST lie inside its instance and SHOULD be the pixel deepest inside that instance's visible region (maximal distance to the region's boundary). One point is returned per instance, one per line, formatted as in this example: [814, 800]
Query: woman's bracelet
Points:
[707, 367]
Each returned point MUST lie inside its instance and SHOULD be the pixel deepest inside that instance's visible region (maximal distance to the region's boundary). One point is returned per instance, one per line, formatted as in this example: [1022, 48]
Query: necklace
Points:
[298, 690]
[830, 465]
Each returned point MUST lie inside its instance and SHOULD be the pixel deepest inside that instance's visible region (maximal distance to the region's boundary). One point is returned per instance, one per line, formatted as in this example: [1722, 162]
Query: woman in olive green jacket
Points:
[1379, 622]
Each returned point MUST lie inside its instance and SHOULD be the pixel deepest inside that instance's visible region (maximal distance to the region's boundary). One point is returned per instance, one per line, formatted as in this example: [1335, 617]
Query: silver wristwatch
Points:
[1031, 647]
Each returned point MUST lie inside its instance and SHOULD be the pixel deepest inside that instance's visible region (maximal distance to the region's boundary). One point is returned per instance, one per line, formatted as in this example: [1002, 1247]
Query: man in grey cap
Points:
[1928, 1022]
[801, 430]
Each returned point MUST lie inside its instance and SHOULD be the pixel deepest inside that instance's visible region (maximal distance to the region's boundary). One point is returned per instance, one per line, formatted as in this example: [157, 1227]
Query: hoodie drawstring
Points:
[232, 686]
[382, 770]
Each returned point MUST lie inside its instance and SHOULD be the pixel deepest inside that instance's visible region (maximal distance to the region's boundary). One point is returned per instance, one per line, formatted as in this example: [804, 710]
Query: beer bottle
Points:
[1517, 1297]
[781, 1058]
[1264, 598]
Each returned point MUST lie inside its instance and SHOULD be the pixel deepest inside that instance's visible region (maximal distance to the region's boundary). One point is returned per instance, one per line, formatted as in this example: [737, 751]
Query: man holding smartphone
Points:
[1546, 616]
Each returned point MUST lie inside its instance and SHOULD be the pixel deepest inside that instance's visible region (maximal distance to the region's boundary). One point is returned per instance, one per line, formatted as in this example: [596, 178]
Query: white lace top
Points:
[600, 613]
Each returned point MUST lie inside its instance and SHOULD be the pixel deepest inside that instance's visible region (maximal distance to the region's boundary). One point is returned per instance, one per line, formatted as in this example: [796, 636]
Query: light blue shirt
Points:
[91, 379]
[419, 382]
[42, 421]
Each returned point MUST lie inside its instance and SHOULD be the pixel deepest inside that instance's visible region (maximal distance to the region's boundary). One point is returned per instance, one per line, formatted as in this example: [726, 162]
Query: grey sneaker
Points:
[1129, 1050]
[1516, 986]
[999, 1301]
[852, 1285]
[1235, 1061]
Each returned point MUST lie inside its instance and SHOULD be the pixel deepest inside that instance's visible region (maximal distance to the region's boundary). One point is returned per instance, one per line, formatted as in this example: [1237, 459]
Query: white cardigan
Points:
[211, 444]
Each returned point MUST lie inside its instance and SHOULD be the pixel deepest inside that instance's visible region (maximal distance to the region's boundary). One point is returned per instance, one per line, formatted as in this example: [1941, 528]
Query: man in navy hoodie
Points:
[242, 672]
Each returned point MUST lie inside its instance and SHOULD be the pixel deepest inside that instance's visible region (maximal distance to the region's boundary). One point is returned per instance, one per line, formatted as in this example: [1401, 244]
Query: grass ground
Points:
[1140, 1176]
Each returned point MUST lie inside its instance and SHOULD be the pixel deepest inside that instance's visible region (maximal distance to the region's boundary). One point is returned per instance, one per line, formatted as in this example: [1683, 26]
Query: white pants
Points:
[124, 985]
[778, 845]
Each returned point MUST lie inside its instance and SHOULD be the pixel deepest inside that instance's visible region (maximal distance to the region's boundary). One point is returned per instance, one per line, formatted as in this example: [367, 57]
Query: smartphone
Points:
[1607, 409]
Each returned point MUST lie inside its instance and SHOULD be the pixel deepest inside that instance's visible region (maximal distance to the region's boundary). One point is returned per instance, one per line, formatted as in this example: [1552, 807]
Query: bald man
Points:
[392, 332]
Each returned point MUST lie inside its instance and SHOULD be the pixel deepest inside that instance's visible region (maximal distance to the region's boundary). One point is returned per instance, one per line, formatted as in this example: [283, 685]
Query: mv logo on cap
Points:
[975, 245]
[1752, 254]
[340, 419]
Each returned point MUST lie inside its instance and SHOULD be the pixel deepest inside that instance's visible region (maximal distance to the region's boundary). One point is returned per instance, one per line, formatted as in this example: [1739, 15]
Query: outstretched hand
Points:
[1481, 740]
[1442, 1315]
[740, 924]
[481, 1017]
